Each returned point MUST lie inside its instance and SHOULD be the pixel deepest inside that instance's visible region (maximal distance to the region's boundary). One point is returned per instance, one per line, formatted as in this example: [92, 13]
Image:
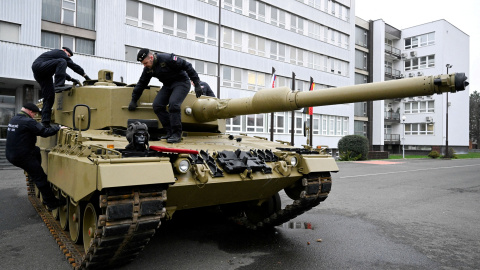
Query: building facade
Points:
[233, 45]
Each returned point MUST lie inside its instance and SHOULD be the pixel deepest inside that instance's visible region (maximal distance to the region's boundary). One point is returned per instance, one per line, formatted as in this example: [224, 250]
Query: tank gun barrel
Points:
[283, 99]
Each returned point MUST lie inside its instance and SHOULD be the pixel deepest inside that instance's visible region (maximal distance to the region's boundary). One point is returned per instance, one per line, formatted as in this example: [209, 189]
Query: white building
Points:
[420, 51]
[241, 45]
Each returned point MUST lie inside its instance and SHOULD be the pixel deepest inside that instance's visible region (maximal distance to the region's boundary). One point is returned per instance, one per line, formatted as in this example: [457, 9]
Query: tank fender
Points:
[316, 163]
[134, 171]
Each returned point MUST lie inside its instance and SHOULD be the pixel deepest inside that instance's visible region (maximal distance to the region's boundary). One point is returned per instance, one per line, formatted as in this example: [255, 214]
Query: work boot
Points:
[168, 135]
[61, 88]
[176, 136]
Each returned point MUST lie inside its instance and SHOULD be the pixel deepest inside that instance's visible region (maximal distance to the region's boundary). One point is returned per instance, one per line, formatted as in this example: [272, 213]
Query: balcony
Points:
[392, 73]
[392, 51]
[391, 139]
[392, 117]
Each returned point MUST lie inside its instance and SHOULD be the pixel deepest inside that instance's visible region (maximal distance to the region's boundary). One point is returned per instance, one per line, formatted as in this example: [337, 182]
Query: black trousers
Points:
[32, 164]
[43, 72]
[173, 96]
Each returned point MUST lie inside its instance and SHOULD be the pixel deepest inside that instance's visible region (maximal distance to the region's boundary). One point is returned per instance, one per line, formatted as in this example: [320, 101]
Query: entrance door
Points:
[7, 111]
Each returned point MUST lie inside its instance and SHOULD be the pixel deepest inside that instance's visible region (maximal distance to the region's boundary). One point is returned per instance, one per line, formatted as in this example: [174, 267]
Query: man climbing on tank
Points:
[206, 90]
[44, 67]
[22, 132]
[175, 73]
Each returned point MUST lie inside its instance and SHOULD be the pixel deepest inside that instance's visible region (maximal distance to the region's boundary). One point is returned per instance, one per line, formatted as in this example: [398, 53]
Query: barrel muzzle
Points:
[460, 81]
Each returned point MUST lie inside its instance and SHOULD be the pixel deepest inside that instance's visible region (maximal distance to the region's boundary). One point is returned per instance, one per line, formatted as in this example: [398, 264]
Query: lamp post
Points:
[403, 139]
[447, 155]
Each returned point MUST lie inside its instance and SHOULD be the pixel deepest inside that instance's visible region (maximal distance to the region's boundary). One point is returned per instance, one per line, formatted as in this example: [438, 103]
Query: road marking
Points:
[426, 169]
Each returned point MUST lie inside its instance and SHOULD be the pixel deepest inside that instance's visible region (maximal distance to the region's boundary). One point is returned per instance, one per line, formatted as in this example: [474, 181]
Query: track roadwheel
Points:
[256, 213]
[90, 218]
[55, 212]
[63, 213]
[75, 221]
[37, 191]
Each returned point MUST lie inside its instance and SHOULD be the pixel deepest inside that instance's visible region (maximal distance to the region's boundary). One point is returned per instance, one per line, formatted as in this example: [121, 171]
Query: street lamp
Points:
[446, 121]
[403, 139]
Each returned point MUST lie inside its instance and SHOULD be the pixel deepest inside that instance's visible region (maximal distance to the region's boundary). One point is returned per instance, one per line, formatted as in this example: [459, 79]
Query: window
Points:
[419, 129]
[56, 41]
[131, 53]
[256, 123]
[420, 62]
[232, 39]
[296, 56]
[70, 12]
[277, 17]
[279, 122]
[420, 106]
[232, 77]
[331, 125]
[233, 5]
[211, 2]
[324, 124]
[296, 24]
[420, 41]
[141, 14]
[9, 32]
[205, 30]
[256, 45]
[316, 124]
[256, 80]
[234, 124]
[277, 51]
[256, 10]
[361, 37]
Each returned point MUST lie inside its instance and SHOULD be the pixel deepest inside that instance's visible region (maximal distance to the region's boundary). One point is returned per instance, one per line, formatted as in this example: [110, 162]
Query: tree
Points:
[475, 117]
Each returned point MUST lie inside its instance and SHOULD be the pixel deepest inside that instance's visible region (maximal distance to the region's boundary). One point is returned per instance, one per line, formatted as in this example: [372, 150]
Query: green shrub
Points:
[353, 146]
[348, 156]
[434, 154]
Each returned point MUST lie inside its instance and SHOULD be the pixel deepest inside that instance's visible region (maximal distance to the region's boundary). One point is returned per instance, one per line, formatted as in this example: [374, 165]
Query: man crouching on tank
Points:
[175, 74]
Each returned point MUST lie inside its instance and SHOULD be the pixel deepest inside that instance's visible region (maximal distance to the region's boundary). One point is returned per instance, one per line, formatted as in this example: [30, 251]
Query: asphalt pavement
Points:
[403, 214]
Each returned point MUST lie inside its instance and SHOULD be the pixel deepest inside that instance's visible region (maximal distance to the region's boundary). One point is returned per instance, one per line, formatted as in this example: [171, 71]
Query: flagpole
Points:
[310, 112]
[292, 142]
[272, 115]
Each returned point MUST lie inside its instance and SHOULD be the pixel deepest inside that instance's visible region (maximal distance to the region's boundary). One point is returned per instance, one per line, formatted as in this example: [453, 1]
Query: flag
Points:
[274, 78]
[312, 86]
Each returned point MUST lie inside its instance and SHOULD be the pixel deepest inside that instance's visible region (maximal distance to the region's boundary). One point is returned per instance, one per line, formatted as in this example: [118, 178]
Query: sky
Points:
[401, 14]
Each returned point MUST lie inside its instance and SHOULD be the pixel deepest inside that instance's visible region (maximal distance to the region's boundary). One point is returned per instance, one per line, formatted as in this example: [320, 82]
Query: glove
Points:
[132, 106]
[75, 81]
[198, 89]
[87, 78]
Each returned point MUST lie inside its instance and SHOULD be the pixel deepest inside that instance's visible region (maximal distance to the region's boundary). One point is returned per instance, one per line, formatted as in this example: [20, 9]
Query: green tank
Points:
[115, 176]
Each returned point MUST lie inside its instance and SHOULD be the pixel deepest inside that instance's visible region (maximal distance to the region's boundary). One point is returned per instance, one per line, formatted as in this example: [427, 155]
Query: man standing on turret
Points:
[175, 74]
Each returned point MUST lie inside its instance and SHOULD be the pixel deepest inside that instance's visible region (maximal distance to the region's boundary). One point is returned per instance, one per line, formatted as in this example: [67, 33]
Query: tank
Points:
[120, 182]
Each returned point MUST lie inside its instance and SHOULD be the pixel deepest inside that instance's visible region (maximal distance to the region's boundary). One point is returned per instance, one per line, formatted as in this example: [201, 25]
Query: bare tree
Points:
[475, 118]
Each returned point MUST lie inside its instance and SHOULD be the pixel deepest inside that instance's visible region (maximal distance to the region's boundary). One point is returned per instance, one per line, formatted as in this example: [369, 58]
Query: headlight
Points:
[293, 161]
[182, 165]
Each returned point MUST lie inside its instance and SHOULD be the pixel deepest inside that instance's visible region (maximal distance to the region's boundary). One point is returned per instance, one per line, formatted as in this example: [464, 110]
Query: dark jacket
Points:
[22, 135]
[207, 91]
[168, 69]
[56, 54]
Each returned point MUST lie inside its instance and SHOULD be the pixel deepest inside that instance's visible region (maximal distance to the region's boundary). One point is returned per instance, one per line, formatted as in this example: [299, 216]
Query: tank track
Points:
[122, 230]
[317, 186]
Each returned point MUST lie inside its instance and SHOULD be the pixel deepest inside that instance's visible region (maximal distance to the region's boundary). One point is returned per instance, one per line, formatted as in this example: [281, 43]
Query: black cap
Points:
[68, 50]
[142, 54]
[32, 107]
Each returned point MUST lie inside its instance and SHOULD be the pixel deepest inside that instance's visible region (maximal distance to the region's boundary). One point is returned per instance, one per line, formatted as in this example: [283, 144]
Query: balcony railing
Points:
[392, 73]
[392, 50]
[392, 116]
[392, 138]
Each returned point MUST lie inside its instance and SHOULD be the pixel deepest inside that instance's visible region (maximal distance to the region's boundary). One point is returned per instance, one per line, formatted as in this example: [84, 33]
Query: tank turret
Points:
[114, 173]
